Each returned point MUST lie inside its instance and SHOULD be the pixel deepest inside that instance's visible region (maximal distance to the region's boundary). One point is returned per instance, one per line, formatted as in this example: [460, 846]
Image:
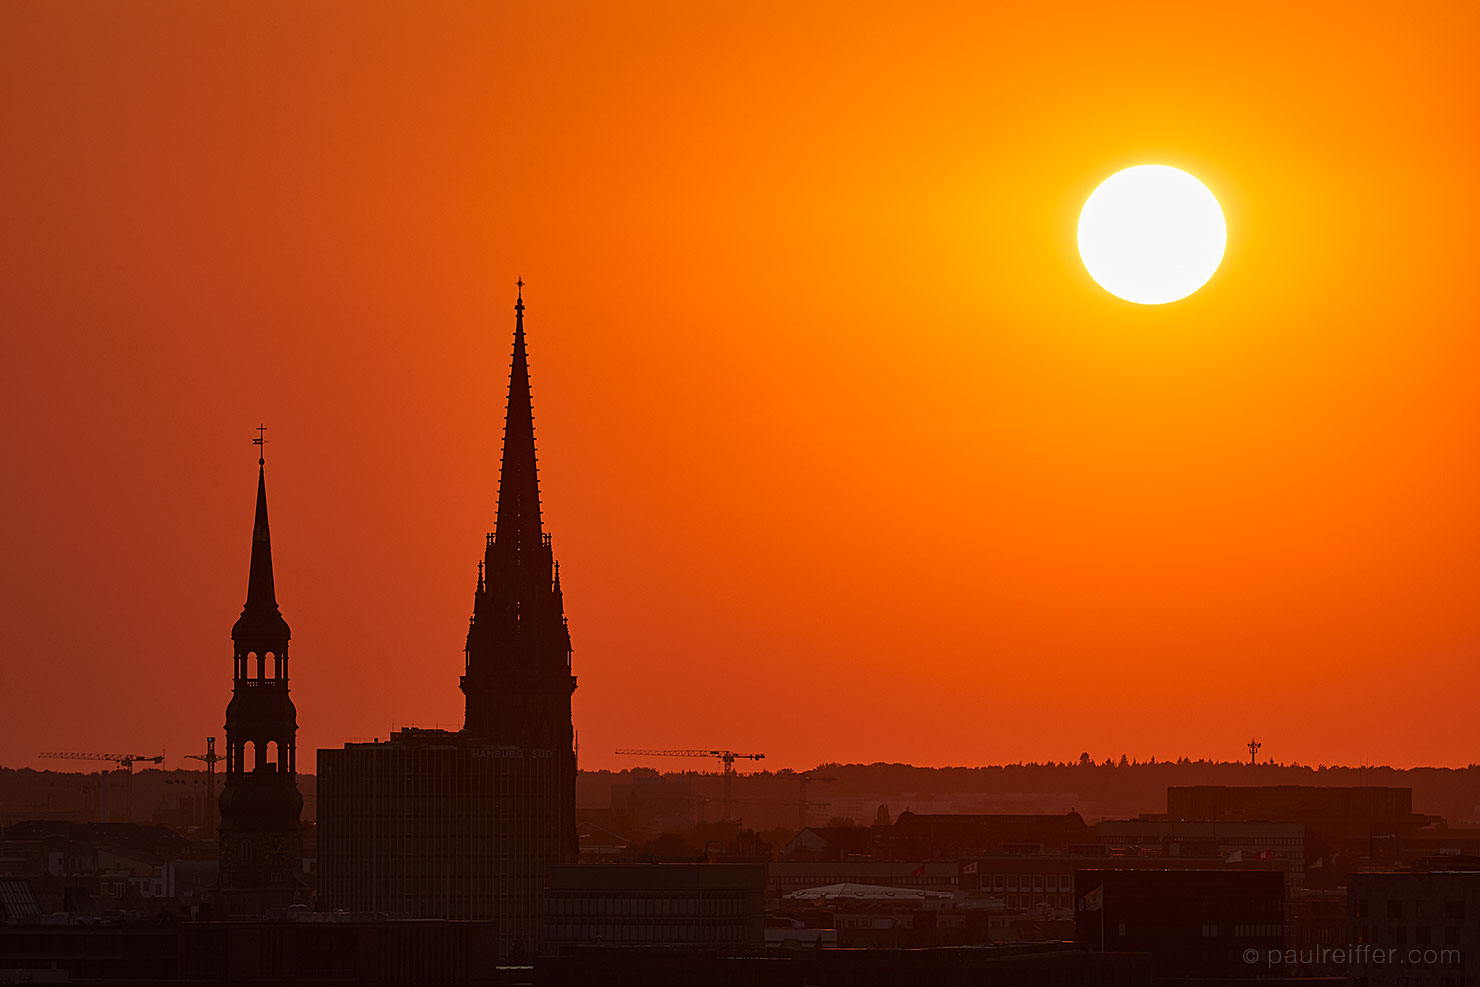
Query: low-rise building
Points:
[686, 904]
[1195, 923]
[785, 876]
[1419, 928]
[1279, 844]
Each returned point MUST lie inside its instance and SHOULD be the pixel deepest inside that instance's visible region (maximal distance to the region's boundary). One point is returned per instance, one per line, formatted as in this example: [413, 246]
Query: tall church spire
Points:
[518, 528]
[518, 681]
[261, 615]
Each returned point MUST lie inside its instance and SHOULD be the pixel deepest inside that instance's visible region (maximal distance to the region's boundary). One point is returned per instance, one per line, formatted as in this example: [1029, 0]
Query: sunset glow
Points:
[833, 427]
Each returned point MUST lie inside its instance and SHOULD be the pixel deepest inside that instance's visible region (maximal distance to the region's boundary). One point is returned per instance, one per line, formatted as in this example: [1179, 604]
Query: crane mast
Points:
[210, 757]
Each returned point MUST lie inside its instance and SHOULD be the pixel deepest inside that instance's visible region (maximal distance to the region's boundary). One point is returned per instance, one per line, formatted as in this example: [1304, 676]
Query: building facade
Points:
[678, 904]
[260, 838]
[1194, 923]
[1253, 844]
[430, 826]
[1414, 929]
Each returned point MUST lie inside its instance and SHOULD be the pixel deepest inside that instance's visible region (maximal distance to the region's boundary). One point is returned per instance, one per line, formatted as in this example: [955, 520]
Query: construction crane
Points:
[210, 757]
[726, 758]
[124, 761]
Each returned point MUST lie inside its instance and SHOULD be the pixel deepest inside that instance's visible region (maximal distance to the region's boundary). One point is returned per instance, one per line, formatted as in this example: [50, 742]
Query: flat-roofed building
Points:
[430, 825]
[786, 876]
[1278, 844]
[1195, 923]
[682, 904]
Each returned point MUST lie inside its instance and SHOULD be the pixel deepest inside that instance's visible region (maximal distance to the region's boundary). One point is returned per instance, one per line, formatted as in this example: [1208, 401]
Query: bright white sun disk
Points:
[1152, 234]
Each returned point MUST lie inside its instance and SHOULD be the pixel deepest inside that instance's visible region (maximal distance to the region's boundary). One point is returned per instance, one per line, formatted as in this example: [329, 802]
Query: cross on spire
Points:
[261, 443]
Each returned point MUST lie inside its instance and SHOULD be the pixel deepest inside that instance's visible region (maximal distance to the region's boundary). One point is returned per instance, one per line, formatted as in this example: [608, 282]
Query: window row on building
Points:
[601, 904]
[1028, 882]
[1029, 900]
[1421, 935]
[1257, 929]
[644, 932]
[1423, 909]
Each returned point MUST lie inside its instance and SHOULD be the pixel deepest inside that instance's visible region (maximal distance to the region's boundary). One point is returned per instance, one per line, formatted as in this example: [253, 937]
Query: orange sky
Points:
[844, 455]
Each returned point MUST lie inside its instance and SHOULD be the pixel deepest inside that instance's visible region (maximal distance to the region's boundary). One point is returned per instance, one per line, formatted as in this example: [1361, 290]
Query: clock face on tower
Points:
[277, 851]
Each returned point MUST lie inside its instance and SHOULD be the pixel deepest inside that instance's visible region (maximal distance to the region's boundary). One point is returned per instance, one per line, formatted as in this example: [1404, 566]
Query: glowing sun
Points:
[1151, 234]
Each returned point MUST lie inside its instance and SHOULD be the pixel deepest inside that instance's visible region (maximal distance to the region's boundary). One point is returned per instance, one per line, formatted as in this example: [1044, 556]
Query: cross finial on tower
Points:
[261, 443]
[519, 302]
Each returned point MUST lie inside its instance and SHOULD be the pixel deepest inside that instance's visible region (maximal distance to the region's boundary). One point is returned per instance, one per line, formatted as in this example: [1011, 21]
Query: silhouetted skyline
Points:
[849, 441]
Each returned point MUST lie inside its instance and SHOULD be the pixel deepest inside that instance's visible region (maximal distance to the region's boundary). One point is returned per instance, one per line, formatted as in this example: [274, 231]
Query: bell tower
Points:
[260, 836]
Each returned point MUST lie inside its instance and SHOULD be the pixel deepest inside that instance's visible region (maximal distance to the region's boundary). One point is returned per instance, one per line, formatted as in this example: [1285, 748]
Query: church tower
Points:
[261, 837]
[518, 680]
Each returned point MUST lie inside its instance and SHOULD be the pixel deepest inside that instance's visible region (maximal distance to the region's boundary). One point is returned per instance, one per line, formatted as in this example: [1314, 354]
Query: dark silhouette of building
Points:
[292, 949]
[112, 866]
[720, 905]
[1345, 828]
[928, 836]
[1417, 928]
[1255, 844]
[312, 950]
[1293, 803]
[261, 835]
[517, 680]
[1195, 923]
[436, 824]
[116, 952]
[947, 834]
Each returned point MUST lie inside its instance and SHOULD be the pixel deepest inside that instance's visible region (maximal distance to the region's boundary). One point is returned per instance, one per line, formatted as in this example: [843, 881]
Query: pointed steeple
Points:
[260, 591]
[261, 616]
[518, 527]
[518, 652]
